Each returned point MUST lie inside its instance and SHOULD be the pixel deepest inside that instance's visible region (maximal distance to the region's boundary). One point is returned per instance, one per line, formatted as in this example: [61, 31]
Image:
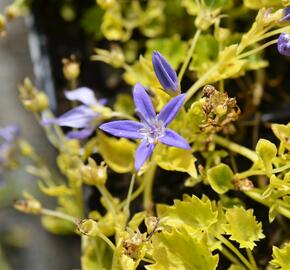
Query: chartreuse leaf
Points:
[282, 132]
[266, 151]
[243, 227]
[236, 267]
[117, 153]
[192, 214]
[124, 103]
[179, 250]
[57, 225]
[205, 54]
[281, 257]
[96, 255]
[175, 159]
[220, 178]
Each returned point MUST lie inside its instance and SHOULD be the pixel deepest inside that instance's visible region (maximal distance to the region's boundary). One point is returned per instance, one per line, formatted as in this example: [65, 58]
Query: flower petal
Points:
[82, 94]
[79, 117]
[143, 102]
[173, 139]
[170, 110]
[123, 128]
[143, 152]
[81, 134]
[10, 132]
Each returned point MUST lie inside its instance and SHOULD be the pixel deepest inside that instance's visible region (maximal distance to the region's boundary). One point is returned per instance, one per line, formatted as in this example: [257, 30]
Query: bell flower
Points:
[152, 129]
[82, 117]
[165, 74]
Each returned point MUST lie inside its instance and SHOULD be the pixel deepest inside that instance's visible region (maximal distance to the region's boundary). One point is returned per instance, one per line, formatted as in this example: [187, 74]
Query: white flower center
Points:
[154, 131]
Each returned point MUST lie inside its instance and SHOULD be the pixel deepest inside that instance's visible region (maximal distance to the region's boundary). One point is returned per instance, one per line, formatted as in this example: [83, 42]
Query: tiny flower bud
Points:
[89, 227]
[221, 110]
[25, 148]
[165, 74]
[71, 68]
[94, 174]
[12, 11]
[283, 44]
[29, 205]
[2, 24]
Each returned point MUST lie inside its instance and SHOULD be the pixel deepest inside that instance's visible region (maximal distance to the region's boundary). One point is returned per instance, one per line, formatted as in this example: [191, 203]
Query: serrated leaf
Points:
[220, 178]
[179, 250]
[175, 159]
[117, 153]
[243, 227]
[192, 214]
[281, 257]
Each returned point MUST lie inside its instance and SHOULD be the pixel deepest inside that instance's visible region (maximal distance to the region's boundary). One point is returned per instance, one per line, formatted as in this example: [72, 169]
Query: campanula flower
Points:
[82, 116]
[165, 74]
[284, 44]
[152, 129]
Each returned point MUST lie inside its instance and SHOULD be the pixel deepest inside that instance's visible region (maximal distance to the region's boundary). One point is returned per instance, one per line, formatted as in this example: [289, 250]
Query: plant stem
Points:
[244, 151]
[53, 213]
[230, 246]
[200, 82]
[260, 172]
[128, 200]
[148, 181]
[107, 240]
[230, 256]
[189, 55]
[251, 258]
[262, 47]
[110, 205]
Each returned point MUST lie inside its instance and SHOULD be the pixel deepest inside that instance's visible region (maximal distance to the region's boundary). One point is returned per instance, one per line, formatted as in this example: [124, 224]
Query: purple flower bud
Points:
[284, 44]
[286, 15]
[165, 74]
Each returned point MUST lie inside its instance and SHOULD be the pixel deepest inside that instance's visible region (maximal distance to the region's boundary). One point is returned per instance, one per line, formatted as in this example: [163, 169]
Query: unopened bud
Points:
[94, 174]
[89, 227]
[29, 205]
[221, 110]
[221, 34]
[71, 68]
[2, 24]
[12, 11]
[26, 148]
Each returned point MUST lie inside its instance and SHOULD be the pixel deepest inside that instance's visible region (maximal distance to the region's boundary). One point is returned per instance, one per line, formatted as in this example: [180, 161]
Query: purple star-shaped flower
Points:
[82, 116]
[286, 14]
[152, 129]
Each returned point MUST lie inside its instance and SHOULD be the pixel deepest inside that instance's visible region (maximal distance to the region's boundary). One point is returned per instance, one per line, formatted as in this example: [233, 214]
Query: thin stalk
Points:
[251, 258]
[149, 180]
[128, 200]
[230, 256]
[248, 53]
[274, 32]
[259, 172]
[53, 213]
[189, 55]
[230, 246]
[107, 240]
[246, 152]
[200, 82]
[110, 205]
